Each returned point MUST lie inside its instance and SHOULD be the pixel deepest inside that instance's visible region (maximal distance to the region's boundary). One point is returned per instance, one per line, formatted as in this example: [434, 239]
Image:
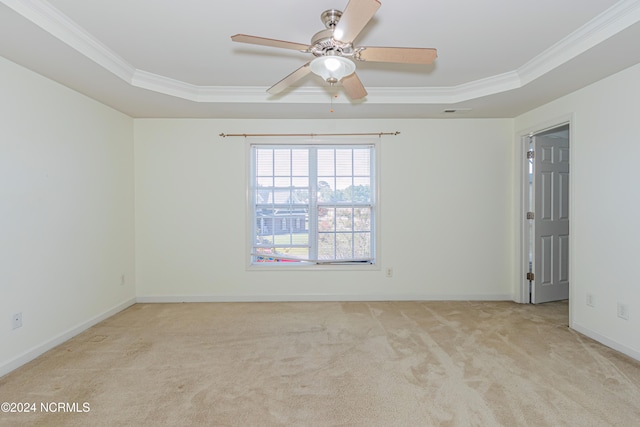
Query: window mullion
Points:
[313, 203]
[253, 200]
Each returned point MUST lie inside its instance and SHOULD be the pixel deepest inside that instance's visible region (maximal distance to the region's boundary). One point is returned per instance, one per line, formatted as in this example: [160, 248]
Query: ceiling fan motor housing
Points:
[323, 43]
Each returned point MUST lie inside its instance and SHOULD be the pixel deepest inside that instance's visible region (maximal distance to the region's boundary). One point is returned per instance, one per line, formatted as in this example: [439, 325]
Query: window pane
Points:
[264, 162]
[326, 192]
[343, 190]
[362, 194]
[326, 162]
[344, 164]
[326, 219]
[344, 246]
[281, 197]
[362, 162]
[362, 219]
[344, 221]
[301, 196]
[361, 190]
[263, 195]
[300, 162]
[300, 182]
[282, 162]
[326, 247]
[264, 181]
[282, 181]
[362, 245]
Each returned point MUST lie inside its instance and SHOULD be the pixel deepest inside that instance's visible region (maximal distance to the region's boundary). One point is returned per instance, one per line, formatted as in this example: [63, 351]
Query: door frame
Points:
[521, 291]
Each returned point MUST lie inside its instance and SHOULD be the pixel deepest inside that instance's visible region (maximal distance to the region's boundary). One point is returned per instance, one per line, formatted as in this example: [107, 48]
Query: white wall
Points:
[605, 231]
[66, 213]
[446, 197]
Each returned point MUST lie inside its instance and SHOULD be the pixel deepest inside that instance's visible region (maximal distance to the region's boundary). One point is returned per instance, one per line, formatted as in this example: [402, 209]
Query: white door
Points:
[551, 218]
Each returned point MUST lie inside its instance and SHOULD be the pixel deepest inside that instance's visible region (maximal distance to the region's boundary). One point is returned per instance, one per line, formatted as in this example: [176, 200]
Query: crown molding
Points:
[59, 25]
[615, 19]
[318, 95]
[609, 23]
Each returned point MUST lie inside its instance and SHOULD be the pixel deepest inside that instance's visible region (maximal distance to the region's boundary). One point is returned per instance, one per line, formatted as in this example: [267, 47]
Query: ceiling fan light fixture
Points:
[332, 68]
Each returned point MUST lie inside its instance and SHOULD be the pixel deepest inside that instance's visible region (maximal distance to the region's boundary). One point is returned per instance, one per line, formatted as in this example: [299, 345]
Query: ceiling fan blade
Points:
[243, 38]
[353, 87]
[290, 79]
[404, 55]
[354, 18]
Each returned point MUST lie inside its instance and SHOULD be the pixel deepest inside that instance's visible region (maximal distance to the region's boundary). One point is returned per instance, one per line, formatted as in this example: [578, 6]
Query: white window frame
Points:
[375, 227]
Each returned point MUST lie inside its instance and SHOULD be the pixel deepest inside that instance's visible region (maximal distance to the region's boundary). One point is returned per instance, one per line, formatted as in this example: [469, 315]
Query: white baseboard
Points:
[48, 345]
[607, 341]
[317, 297]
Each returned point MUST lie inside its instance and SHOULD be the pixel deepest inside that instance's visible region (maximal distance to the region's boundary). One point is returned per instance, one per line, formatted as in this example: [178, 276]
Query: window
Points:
[312, 204]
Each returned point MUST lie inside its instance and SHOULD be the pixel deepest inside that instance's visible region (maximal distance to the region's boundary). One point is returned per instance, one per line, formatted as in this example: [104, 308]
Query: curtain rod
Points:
[224, 135]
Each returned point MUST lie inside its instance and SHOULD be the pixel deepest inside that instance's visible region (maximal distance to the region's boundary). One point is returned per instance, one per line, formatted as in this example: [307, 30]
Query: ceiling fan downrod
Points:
[331, 17]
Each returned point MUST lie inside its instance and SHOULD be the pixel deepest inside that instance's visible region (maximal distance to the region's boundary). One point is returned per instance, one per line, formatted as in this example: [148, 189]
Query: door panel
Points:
[546, 260]
[563, 198]
[551, 223]
[546, 202]
[564, 258]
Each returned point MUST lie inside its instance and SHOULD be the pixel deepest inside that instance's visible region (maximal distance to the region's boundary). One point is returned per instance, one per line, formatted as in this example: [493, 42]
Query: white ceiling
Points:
[167, 58]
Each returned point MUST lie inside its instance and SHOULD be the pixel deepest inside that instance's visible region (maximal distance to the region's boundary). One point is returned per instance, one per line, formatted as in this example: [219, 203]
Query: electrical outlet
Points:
[591, 300]
[623, 311]
[389, 271]
[16, 321]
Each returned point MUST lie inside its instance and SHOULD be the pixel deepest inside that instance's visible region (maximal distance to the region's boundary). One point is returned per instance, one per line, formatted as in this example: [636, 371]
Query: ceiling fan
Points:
[335, 53]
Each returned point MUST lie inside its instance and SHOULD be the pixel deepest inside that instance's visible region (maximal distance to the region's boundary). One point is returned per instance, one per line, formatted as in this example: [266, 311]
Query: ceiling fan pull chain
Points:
[333, 95]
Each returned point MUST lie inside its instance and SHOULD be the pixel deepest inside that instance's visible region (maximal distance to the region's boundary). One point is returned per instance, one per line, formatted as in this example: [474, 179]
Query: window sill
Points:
[313, 267]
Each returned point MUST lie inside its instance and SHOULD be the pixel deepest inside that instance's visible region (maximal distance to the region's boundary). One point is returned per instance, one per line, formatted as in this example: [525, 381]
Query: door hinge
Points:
[530, 215]
[530, 276]
[531, 154]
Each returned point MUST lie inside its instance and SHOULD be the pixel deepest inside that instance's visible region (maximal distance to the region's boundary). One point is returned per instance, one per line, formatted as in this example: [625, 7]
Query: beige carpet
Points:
[330, 364]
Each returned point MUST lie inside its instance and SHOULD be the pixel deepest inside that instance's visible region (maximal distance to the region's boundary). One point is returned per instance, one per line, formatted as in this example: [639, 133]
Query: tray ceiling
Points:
[161, 58]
